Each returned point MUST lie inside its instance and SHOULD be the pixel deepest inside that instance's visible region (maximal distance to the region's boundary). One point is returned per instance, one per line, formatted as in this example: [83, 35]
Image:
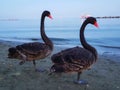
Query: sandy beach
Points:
[104, 74]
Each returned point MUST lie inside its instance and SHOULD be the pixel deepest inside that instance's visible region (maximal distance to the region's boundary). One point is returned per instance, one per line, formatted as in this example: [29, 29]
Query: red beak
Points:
[50, 17]
[96, 24]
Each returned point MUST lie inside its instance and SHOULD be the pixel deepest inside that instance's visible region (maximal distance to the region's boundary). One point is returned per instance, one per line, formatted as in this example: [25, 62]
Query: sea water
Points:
[64, 33]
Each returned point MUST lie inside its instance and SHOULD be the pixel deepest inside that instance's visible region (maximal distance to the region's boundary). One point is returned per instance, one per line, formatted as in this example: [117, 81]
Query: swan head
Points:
[47, 13]
[92, 21]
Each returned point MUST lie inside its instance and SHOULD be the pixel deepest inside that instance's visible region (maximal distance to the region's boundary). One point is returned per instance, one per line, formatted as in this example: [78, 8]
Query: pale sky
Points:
[32, 9]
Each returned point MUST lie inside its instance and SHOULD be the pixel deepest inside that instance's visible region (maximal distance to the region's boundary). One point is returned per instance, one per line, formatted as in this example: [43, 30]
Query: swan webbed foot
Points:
[40, 70]
[81, 82]
[22, 62]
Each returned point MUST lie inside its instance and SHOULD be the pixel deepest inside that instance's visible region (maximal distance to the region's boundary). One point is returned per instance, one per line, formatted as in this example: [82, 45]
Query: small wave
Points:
[60, 40]
[53, 39]
[115, 47]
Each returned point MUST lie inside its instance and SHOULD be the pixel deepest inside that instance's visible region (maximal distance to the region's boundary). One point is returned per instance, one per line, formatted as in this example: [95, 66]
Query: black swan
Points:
[35, 50]
[76, 59]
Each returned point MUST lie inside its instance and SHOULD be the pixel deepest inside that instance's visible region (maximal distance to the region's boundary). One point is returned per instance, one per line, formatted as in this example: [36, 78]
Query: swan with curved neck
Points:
[35, 50]
[76, 59]
[82, 37]
[43, 34]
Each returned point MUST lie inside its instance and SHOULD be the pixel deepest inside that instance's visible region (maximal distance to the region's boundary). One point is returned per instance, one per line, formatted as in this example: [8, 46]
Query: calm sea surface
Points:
[106, 38]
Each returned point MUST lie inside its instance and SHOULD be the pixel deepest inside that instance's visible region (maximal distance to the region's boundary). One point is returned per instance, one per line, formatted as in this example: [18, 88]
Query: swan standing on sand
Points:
[76, 59]
[33, 51]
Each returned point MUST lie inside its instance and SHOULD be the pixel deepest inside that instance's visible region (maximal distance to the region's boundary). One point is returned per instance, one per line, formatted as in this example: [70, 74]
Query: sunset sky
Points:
[32, 9]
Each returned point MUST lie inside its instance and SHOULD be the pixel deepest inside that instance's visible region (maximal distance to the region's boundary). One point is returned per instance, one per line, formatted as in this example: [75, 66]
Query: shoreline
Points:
[104, 74]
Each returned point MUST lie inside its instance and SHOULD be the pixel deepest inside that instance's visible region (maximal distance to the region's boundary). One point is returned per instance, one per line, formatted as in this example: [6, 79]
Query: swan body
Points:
[74, 59]
[30, 51]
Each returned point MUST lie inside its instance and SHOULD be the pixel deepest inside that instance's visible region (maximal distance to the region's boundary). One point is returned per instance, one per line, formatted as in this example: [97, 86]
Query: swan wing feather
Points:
[32, 48]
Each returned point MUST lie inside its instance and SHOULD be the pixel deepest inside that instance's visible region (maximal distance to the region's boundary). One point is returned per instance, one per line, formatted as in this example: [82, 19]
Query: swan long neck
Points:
[84, 43]
[43, 34]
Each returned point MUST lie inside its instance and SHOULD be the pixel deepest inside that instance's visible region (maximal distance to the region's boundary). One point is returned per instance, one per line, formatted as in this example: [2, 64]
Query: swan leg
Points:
[78, 76]
[37, 70]
[34, 63]
[81, 82]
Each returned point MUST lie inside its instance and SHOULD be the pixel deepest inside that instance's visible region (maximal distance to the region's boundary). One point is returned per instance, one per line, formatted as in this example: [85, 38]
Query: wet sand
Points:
[104, 74]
